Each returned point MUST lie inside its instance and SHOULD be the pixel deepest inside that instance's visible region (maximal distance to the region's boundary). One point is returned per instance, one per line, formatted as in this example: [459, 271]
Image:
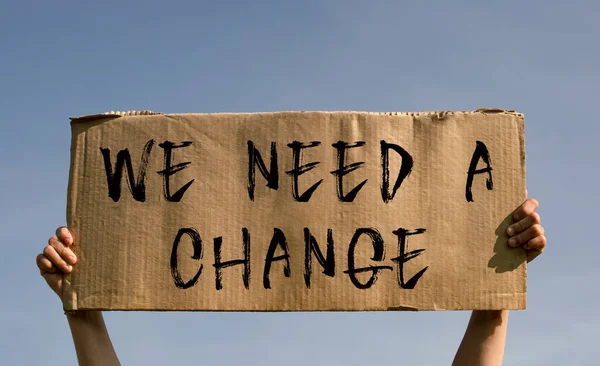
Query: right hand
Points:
[56, 259]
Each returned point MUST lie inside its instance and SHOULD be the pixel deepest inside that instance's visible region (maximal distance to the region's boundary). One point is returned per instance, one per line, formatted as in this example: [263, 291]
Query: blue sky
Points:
[70, 58]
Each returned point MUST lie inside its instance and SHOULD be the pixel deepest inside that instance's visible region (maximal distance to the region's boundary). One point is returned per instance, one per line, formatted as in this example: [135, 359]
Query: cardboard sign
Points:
[296, 211]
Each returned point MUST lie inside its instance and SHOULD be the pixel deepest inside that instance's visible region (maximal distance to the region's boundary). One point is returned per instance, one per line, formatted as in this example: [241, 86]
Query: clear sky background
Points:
[70, 58]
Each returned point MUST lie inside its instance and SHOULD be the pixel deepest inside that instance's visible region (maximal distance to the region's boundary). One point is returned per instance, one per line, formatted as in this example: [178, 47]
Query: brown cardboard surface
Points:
[129, 258]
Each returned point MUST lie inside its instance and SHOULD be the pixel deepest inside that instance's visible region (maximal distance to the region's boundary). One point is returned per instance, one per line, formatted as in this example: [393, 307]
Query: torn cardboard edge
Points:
[439, 114]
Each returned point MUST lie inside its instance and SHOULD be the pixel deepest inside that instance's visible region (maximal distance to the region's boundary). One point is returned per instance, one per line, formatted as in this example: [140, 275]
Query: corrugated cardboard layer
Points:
[125, 247]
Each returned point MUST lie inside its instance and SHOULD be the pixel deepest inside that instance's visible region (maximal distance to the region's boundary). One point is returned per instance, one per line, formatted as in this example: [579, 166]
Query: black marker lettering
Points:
[197, 243]
[220, 265]
[378, 255]
[404, 257]
[169, 170]
[278, 240]
[255, 159]
[405, 169]
[344, 169]
[311, 246]
[298, 170]
[137, 188]
[481, 152]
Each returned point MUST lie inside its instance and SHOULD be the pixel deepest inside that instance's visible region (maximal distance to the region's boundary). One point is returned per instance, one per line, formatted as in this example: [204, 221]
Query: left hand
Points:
[526, 229]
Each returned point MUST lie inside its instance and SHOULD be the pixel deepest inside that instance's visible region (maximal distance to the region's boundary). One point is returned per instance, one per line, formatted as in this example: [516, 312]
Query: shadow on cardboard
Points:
[505, 258]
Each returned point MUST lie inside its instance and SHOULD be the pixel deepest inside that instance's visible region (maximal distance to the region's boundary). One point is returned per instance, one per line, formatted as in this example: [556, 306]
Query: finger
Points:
[532, 254]
[64, 235]
[526, 223]
[525, 236]
[44, 264]
[527, 208]
[52, 255]
[62, 250]
[538, 243]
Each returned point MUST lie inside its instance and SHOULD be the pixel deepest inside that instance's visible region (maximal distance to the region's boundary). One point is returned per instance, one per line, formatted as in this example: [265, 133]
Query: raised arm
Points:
[485, 337]
[90, 336]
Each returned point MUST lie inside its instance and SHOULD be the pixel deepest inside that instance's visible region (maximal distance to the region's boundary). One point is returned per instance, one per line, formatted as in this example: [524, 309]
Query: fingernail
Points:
[68, 267]
[510, 231]
[512, 242]
[72, 259]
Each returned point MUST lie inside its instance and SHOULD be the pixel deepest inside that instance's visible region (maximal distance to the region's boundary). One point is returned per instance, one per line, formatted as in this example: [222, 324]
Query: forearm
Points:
[91, 339]
[484, 339]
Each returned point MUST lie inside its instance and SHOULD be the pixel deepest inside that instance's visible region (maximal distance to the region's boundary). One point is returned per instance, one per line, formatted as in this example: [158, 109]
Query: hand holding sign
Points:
[56, 259]
[527, 229]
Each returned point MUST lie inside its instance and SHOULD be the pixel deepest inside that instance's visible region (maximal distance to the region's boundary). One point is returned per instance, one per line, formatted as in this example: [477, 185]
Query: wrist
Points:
[87, 316]
[489, 316]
